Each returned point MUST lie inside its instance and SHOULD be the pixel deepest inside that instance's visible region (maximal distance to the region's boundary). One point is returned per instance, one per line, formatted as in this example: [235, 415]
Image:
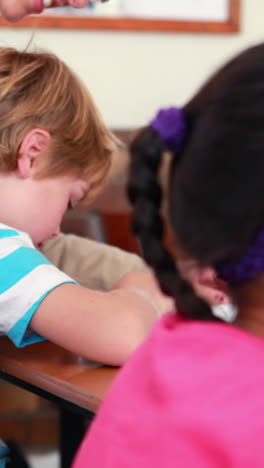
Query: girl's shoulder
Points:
[198, 389]
[203, 344]
[208, 358]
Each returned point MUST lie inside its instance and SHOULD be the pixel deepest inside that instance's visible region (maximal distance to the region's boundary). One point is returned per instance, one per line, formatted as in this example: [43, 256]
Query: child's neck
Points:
[250, 300]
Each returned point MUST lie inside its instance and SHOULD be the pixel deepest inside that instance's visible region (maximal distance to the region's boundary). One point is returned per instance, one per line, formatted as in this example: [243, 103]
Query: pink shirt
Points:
[192, 396]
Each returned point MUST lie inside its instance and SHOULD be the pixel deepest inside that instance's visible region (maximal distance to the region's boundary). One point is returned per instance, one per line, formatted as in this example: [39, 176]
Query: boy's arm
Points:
[92, 264]
[104, 327]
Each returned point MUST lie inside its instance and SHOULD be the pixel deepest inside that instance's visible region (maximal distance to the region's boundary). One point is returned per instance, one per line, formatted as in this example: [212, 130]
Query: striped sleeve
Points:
[26, 277]
[3, 454]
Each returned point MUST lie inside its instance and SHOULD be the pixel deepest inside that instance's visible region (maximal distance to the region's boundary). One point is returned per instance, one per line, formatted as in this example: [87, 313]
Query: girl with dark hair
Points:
[192, 394]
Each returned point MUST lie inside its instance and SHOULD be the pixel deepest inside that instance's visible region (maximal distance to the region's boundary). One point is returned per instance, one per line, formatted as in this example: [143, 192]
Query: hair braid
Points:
[145, 194]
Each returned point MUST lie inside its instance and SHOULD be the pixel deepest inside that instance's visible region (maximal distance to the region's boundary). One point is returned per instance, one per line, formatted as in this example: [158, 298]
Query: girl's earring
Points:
[227, 311]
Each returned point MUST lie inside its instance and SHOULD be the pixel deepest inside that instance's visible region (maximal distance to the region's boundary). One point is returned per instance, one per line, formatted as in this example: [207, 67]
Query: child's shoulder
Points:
[198, 388]
[202, 344]
[12, 237]
[181, 357]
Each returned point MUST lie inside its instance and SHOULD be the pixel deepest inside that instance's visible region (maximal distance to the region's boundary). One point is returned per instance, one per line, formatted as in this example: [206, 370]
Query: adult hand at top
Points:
[15, 10]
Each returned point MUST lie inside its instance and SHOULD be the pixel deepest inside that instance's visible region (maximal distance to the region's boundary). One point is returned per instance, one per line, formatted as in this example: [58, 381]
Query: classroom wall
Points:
[133, 74]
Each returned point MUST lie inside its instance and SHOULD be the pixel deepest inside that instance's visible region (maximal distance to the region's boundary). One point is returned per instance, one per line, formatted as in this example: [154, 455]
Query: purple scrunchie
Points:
[171, 126]
[250, 265]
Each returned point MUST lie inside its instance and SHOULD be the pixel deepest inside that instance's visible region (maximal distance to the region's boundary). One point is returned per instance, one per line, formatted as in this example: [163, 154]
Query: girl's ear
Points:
[205, 282]
[210, 288]
[31, 147]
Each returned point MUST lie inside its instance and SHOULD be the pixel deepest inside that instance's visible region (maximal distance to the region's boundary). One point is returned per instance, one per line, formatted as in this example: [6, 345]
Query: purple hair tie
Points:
[170, 124]
[249, 266]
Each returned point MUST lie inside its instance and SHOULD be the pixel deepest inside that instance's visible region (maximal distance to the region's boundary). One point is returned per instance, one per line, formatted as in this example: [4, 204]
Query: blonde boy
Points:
[54, 152]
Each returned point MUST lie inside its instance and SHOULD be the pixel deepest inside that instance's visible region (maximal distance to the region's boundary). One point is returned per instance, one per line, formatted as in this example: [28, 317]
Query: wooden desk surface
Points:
[57, 371]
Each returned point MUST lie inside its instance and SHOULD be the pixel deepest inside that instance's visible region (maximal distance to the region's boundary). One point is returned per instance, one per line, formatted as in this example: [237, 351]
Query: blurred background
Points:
[131, 74]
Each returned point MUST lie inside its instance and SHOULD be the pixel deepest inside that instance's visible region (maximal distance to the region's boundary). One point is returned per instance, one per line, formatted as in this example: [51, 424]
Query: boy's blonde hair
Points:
[38, 90]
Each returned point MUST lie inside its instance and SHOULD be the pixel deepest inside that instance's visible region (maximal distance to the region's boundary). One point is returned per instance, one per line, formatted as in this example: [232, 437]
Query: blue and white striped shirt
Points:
[26, 277]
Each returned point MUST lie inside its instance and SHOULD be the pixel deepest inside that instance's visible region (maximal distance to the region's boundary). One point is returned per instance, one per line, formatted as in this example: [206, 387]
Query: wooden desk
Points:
[59, 376]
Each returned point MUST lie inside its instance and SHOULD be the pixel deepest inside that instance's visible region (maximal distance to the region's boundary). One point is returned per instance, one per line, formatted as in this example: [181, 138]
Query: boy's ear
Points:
[31, 147]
